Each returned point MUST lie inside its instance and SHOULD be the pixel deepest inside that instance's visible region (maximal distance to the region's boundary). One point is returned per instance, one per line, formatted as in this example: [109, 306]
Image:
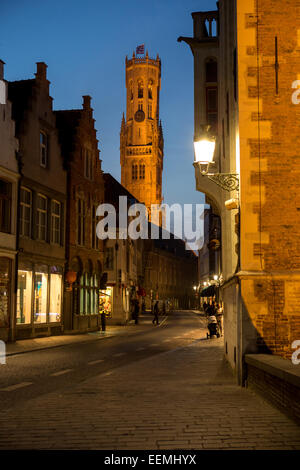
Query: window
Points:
[134, 172]
[55, 222]
[40, 297]
[150, 111]
[212, 71]
[150, 86]
[5, 291]
[142, 172]
[93, 228]
[41, 219]
[55, 297]
[43, 149]
[212, 106]
[5, 206]
[88, 165]
[211, 91]
[24, 296]
[140, 106]
[80, 222]
[109, 259]
[25, 212]
[140, 89]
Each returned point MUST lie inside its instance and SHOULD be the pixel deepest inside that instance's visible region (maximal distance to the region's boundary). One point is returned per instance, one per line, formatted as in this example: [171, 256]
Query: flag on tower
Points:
[140, 49]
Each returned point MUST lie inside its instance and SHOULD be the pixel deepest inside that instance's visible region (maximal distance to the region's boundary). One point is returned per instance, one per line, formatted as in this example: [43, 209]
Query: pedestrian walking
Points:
[219, 315]
[155, 313]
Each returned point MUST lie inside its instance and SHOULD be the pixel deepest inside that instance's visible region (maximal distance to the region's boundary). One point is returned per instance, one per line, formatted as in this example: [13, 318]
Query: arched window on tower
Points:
[140, 89]
[211, 92]
[150, 89]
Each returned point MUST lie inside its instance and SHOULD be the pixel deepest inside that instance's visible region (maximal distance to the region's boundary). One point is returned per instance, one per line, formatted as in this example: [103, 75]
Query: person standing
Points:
[155, 313]
[219, 315]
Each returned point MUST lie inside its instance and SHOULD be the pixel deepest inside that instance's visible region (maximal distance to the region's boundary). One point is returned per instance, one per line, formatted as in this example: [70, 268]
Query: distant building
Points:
[42, 209]
[170, 272]
[9, 178]
[141, 137]
[122, 262]
[85, 192]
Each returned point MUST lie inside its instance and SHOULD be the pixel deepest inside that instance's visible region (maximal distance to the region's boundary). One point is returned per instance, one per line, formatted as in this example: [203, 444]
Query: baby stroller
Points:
[213, 327]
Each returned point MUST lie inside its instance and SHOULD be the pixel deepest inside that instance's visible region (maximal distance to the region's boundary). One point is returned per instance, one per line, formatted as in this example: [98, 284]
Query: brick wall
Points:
[278, 392]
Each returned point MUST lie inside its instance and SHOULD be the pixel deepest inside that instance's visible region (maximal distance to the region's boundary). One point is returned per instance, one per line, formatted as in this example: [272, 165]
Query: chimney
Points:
[2, 69]
[41, 71]
[86, 102]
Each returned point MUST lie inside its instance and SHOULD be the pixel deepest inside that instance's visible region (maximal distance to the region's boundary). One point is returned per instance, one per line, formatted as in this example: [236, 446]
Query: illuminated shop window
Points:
[55, 297]
[40, 297]
[24, 297]
[5, 286]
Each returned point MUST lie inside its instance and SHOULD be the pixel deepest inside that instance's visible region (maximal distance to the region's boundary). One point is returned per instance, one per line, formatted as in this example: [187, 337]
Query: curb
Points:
[107, 336]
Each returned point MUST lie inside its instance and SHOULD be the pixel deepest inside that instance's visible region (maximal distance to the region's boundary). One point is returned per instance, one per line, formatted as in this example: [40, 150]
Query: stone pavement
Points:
[181, 399]
[48, 342]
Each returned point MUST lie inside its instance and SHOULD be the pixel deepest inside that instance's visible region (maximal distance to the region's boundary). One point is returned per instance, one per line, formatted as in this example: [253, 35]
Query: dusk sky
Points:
[85, 44]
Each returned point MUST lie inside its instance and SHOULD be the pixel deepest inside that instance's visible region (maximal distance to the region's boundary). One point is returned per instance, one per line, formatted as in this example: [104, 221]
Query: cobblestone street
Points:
[184, 398]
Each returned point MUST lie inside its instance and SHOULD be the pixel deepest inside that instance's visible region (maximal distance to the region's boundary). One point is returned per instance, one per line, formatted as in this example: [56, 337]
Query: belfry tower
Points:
[141, 136]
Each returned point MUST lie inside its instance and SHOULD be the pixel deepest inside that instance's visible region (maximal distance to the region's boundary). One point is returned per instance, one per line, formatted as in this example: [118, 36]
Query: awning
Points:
[209, 291]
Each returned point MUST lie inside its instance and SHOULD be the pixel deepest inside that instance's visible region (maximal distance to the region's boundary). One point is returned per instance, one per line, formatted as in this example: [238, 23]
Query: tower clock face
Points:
[139, 116]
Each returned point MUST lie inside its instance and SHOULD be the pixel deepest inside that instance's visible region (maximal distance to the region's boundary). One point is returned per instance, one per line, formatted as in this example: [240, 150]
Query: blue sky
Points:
[84, 44]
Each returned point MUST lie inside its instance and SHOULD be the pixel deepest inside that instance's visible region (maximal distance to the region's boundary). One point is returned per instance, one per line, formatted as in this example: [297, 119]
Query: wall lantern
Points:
[71, 277]
[204, 157]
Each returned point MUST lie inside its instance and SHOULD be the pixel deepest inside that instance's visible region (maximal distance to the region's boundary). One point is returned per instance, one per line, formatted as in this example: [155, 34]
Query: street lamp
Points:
[204, 154]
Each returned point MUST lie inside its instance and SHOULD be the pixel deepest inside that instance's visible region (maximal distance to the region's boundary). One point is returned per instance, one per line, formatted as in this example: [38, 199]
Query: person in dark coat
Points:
[155, 313]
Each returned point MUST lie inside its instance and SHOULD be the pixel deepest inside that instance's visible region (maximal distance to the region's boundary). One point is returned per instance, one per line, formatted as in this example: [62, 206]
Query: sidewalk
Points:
[48, 342]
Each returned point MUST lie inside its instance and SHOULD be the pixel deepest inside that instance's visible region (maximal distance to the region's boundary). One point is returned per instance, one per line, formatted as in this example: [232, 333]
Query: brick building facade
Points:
[255, 45]
[42, 206]
[85, 189]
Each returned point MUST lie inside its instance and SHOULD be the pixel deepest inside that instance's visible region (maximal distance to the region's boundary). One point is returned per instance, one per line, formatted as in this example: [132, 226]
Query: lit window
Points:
[5, 206]
[41, 221]
[40, 297]
[43, 149]
[24, 296]
[55, 222]
[25, 212]
[55, 297]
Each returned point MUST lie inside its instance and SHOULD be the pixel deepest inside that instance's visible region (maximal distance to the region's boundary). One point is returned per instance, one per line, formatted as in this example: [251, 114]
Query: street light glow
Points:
[204, 151]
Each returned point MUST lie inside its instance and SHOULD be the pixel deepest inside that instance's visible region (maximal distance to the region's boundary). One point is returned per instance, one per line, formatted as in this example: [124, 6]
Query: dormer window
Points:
[43, 149]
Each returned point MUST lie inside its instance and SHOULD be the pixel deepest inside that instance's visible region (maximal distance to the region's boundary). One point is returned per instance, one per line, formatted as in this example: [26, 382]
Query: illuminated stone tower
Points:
[141, 136]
